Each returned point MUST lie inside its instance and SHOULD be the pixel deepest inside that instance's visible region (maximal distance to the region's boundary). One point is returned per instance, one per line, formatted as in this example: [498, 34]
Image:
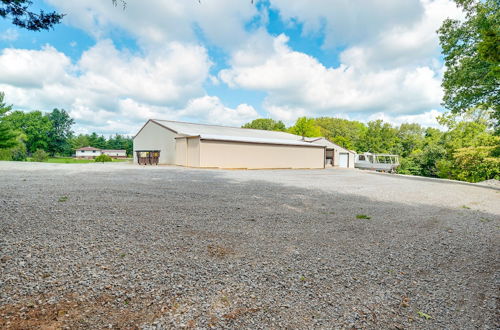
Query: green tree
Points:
[79, 141]
[379, 137]
[343, 132]
[305, 127]
[266, 124]
[8, 137]
[410, 138]
[120, 142]
[474, 164]
[471, 50]
[60, 133]
[97, 141]
[35, 126]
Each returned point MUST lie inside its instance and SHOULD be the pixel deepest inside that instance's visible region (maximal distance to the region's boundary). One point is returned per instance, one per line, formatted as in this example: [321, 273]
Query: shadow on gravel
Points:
[434, 180]
[189, 248]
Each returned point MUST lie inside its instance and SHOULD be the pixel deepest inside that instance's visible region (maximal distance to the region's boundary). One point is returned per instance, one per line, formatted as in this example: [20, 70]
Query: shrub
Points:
[40, 156]
[19, 153]
[103, 158]
[5, 154]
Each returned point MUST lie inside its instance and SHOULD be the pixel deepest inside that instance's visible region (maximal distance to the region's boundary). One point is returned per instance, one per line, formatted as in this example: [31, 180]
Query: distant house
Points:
[91, 153]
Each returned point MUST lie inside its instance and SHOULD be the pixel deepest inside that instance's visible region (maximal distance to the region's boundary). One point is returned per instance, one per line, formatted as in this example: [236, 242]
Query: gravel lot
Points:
[117, 245]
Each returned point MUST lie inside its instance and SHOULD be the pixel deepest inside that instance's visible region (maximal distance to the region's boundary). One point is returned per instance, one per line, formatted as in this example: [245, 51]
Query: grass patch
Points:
[70, 160]
[363, 216]
[465, 207]
[62, 199]
[423, 315]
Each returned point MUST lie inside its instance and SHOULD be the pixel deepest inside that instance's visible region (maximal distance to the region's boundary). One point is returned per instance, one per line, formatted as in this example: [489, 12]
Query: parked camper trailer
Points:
[377, 162]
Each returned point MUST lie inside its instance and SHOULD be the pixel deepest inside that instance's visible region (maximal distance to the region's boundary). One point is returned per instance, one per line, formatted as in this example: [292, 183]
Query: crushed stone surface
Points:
[123, 246]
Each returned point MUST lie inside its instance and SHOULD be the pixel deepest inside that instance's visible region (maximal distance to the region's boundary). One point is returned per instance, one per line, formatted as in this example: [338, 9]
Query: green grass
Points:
[63, 199]
[70, 160]
[362, 216]
[424, 315]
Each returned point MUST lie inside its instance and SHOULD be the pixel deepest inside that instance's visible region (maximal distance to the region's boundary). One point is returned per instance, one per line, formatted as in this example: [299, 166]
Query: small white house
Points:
[87, 152]
[115, 153]
[91, 153]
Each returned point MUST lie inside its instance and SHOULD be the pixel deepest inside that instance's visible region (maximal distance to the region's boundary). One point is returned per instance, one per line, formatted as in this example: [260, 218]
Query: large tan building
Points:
[212, 146]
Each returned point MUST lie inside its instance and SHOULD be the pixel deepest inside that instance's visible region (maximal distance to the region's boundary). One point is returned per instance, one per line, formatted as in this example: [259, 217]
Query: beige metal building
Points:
[212, 146]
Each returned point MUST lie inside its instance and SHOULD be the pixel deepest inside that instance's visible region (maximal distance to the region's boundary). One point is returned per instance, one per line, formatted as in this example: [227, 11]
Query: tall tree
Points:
[346, 133]
[7, 134]
[266, 124]
[60, 132]
[410, 138]
[35, 125]
[379, 137]
[305, 127]
[471, 50]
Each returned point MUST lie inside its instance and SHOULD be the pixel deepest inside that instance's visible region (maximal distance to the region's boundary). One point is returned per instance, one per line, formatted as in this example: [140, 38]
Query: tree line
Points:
[23, 133]
[469, 150]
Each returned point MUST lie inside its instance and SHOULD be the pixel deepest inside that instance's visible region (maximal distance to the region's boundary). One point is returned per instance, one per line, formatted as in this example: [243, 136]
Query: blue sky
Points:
[229, 62]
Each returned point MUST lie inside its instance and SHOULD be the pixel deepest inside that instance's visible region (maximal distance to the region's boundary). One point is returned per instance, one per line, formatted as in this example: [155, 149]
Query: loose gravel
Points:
[123, 246]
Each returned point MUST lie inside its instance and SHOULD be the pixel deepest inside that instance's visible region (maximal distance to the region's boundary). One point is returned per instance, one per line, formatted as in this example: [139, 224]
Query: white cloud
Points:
[158, 21]
[210, 109]
[108, 90]
[404, 45]
[427, 119]
[346, 21]
[297, 84]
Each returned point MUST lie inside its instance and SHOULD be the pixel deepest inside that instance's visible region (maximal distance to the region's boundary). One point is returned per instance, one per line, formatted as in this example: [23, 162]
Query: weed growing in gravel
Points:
[465, 207]
[63, 199]
[302, 278]
[484, 220]
[362, 216]
[423, 315]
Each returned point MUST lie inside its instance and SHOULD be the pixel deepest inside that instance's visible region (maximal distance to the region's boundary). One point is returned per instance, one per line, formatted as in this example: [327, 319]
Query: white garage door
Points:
[343, 159]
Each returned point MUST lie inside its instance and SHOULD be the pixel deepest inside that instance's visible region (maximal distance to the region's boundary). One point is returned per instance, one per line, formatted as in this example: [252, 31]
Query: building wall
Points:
[87, 153]
[193, 152]
[181, 152]
[336, 158]
[224, 154]
[115, 153]
[154, 137]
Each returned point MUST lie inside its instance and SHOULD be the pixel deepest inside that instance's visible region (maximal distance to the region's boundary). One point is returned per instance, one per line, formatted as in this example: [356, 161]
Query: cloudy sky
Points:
[229, 61]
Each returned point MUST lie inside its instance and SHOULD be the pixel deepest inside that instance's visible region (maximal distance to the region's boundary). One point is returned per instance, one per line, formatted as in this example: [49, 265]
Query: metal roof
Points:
[191, 129]
[226, 133]
[87, 149]
[328, 144]
[253, 140]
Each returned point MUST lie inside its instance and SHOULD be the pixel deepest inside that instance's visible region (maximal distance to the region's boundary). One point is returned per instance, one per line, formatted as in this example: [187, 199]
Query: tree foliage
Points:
[19, 12]
[266, 124]
[305, 127]
[21, 15]
[60, 132]
[8, 137]
[345, 133]
[471, 50]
